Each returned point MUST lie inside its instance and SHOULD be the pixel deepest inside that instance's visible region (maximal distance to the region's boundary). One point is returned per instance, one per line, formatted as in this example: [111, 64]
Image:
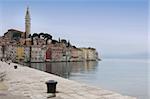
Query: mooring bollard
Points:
[15, 67]
[51, 86]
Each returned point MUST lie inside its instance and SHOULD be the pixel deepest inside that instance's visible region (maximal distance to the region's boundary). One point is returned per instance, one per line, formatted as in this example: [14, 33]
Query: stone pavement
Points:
[30, 83]
[3, 86]
[5, 94]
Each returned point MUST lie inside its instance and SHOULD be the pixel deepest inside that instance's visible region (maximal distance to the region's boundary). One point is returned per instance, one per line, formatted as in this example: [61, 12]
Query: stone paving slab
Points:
[30, 83]
[3, 86]
[7, 95]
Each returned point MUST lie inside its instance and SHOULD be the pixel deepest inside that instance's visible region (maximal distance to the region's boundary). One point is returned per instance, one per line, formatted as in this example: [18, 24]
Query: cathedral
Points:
[14, 34]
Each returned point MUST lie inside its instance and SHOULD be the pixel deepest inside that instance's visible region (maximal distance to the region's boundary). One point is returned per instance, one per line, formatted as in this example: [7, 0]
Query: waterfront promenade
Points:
[28, 83]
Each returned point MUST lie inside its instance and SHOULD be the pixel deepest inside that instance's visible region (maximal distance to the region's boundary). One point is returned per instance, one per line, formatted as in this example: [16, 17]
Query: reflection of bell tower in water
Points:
[27, 23]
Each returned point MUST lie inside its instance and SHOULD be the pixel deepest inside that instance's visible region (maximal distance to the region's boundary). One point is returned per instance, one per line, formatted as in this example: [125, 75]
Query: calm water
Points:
[128, 77]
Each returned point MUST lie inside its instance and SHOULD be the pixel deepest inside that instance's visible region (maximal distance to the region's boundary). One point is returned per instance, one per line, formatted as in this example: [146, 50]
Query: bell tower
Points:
[27, 23]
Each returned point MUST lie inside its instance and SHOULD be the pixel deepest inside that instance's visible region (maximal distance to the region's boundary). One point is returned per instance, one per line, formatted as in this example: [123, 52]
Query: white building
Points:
[27, 54]
[89, 54]
[38, 54]
[10, 52]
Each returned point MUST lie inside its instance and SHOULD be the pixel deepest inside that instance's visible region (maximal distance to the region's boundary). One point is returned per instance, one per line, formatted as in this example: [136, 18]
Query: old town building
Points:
[13, 34]
[20, 54]
[89, 54]
[20, 46]
[10, 52]
[38, 53]
[54, 53]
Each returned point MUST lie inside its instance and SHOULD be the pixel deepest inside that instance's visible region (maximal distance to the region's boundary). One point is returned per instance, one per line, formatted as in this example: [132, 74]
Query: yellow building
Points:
[20, 54]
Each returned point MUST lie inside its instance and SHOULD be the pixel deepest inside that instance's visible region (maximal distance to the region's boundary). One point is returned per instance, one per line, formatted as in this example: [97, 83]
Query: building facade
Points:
[27, 54]
[38, 53]
[21, 46]
[89, 54]
[10, 52]
[20, 54]
[13, 34]
[54, 53]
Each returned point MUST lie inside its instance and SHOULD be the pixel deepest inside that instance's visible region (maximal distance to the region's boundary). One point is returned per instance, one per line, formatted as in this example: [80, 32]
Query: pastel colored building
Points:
[54, 53]
[41, 41]
[10, 52]
[92, 54]
[66, 54]
[85, 53]
[25, 42]
[80, 55]
[22, 46]
[20, 54]
[38, 53]
[89, 54]
[5, 41]
[48, 54]
[28, 41]
[27, 54]
[74, 54]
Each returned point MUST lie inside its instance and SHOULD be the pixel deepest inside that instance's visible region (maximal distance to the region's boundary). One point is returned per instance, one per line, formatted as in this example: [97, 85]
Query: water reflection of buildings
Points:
[64, 69]
[39, 66]
[58, 68]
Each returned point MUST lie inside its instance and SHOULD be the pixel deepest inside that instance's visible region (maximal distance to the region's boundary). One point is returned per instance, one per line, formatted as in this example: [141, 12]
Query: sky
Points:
[116, 28]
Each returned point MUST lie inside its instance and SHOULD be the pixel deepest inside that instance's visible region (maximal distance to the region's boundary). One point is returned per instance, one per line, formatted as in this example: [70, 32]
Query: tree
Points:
[29, 36]
[54, 41]
[41, 34]
[34, 35]
[64, 41]
[59, 40]
[68, 44]
[47, 40]
[47, 37]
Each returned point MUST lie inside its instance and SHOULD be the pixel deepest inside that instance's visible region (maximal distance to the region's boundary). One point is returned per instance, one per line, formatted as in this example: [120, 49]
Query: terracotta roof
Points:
[15, 30]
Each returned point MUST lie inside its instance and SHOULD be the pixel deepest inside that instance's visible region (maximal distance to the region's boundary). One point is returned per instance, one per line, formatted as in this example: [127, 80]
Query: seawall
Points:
[30, 83]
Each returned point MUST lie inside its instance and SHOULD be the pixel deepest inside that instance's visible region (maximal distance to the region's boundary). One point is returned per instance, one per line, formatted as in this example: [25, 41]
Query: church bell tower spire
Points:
[27, 23]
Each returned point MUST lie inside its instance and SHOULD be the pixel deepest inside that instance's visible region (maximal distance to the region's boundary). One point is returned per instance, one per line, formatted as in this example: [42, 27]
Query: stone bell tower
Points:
[27, 23]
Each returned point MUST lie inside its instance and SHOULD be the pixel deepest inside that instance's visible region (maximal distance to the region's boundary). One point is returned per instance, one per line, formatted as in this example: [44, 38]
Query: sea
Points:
[125, 76]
